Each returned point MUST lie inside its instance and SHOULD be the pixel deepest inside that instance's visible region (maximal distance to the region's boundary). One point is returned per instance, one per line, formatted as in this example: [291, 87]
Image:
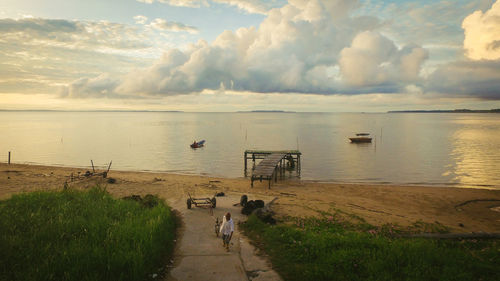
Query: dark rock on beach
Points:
[248, 208]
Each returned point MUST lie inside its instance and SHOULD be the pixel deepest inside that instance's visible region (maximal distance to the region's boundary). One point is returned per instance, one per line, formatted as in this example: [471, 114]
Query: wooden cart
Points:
[205, 202]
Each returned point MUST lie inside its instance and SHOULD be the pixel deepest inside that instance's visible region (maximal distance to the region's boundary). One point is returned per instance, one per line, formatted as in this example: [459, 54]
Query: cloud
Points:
[373, 60]
[479, 79]
[423, 22]
[71, 34]
[306, 47]
[179, 3]
[91, 87]
[140, 19]
[250, 6]
[482, 34]
[39, 56]
[479, 74]
[295, 49]
[163, 25]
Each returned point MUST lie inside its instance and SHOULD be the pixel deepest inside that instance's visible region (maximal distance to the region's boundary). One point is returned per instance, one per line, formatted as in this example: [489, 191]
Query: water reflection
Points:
[475, 153]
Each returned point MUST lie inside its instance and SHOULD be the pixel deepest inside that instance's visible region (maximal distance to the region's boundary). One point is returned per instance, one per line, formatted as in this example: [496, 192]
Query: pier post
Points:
[9, 158]
[275, 174]
[298, 164]
[245, 163]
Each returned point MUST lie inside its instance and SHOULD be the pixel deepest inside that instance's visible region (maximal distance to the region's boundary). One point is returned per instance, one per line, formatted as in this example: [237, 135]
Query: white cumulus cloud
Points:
[303, 47]
[373, 59]
[482, 34]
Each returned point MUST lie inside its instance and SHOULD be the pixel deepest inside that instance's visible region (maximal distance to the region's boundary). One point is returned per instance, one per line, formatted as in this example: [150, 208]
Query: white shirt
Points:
[227, 226]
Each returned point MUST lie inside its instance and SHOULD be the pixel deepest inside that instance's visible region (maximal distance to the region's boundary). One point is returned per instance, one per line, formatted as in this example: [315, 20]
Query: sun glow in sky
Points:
[230, 55]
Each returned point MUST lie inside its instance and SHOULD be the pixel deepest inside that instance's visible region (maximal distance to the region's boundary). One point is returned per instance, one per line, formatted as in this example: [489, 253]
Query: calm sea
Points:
[408, 148]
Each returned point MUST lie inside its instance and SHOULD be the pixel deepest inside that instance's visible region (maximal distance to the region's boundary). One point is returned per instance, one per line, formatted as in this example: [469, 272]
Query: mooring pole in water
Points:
[9, 158]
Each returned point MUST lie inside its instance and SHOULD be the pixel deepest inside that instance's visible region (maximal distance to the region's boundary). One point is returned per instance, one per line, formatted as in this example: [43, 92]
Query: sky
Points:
[237, 55]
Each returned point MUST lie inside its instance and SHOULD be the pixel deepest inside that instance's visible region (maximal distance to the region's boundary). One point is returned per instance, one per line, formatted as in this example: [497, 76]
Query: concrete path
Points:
[199, 254]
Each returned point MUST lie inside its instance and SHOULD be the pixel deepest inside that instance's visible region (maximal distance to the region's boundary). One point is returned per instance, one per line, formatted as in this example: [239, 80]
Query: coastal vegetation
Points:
[496, 110]
[83, 235]
[333, 248]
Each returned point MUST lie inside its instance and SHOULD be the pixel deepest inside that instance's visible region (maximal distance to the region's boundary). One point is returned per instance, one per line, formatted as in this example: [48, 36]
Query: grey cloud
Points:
[494, 45]
[100, 86]
[72, 34]
[467, 78]
[37, 25]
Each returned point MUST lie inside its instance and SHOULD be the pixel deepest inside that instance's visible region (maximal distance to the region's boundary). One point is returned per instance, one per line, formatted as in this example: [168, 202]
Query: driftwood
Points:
[265, 213]
[89, 174]
[267, 207]
[472, 235]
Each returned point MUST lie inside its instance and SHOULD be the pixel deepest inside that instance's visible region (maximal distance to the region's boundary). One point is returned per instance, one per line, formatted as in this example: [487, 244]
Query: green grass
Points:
[331, 249]
[76, 235]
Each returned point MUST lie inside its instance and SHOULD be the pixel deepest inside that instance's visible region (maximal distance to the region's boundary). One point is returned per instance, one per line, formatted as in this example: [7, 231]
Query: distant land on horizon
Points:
[90, 110]
[272, 111]
[497, 110]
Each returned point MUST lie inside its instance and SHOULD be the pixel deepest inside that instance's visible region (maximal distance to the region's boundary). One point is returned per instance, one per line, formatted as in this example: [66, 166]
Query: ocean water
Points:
[453, 149]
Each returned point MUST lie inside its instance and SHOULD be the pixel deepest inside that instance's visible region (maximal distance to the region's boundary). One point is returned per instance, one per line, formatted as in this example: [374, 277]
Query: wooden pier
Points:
[273, 162]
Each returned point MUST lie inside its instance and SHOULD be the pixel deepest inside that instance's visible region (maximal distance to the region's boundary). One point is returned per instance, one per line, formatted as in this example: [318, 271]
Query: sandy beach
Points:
[460, 209]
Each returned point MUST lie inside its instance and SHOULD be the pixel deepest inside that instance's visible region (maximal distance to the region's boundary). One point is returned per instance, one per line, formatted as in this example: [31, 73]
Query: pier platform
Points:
[272, 164]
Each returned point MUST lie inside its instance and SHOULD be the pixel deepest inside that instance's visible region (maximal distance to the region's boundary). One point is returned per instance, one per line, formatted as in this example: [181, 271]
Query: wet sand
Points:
[460, 209]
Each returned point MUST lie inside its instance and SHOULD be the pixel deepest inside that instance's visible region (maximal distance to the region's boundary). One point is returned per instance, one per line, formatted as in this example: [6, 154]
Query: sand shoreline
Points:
[376, 203]
[179, 172]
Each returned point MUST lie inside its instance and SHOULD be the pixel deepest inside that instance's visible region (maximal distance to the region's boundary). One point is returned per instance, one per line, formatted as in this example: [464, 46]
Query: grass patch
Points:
[331, 249]
[83, 235]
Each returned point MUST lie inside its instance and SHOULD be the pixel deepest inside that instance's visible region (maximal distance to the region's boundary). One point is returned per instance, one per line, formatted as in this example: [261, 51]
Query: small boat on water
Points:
[198, 144]
[361, 138]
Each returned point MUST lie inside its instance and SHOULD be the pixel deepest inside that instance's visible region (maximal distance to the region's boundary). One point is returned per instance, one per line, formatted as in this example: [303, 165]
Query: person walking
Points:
[227, 229]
